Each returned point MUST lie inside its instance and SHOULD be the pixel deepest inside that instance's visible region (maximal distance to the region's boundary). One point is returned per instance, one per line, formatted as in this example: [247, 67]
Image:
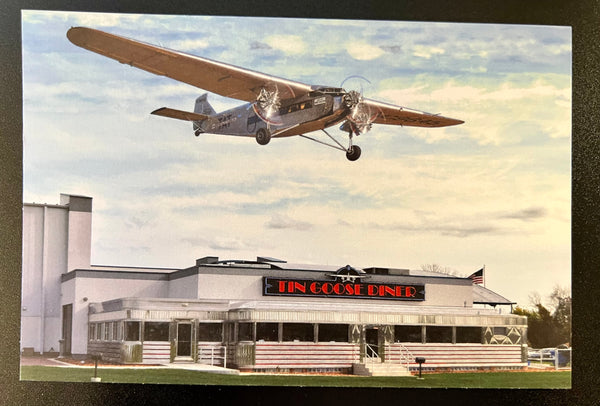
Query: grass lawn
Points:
[529, 380]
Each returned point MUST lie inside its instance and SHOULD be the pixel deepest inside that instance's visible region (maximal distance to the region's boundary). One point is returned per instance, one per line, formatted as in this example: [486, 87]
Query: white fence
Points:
[558, 357]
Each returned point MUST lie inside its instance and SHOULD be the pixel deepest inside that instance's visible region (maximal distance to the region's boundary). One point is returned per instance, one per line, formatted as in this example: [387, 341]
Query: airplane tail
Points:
[203, 106]
[202, 112]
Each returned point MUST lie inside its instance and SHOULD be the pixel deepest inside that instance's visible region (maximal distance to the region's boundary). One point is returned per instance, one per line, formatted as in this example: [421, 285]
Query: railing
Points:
[559, 357]
[213, 353]
[371, 354]
[398, 354]
[394, 354]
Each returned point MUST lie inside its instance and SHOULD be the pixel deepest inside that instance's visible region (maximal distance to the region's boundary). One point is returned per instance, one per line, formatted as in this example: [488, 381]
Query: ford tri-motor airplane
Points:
[276, 107]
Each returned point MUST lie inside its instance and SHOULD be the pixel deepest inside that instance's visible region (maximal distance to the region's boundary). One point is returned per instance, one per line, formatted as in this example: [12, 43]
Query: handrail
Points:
[403, 355]
[395, 353]
[371, 353]
[212, 348]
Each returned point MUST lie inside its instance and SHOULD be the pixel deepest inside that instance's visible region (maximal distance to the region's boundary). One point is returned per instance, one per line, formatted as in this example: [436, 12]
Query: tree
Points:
[562, 313]
[439, 269]
[548, 326]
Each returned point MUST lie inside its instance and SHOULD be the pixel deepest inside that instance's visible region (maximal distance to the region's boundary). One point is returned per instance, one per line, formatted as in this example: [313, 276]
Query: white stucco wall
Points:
[101, 288]
[250, 287]
[79, 240]
[246, 287]
[448, 295]
[184, 288]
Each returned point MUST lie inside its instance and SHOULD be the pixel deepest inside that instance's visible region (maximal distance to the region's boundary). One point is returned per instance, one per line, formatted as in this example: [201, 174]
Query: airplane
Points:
[275, 107]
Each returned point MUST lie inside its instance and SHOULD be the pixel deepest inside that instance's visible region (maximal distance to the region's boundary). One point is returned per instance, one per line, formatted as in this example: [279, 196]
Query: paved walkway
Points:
[53, 362]
[203, 368]
[41, 360]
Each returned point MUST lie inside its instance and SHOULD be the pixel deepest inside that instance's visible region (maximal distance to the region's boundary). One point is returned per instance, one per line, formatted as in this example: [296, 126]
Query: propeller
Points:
[360, 115]
[268, 102]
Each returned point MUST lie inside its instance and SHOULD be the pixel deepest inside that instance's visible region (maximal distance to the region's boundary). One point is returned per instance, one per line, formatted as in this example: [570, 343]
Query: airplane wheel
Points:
[354, 153]
[263, 136]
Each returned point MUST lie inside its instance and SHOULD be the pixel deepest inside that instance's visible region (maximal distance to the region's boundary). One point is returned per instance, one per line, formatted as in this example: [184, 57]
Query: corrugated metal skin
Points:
[111, 316]
[156, 352]
[172, 314]
[305, 355]
[463, 355]
[376, 318]
[131, 352]
[110, 351]
[243, 355]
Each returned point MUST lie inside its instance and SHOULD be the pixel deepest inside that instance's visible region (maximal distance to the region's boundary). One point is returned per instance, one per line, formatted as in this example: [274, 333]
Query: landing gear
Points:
[263, 136]
[353, 153]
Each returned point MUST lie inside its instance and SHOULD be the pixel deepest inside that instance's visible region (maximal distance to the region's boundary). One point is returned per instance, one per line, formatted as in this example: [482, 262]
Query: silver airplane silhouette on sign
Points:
[275, 107]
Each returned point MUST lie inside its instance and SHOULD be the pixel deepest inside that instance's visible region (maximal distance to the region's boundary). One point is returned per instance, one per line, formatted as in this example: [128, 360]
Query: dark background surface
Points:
[583, 16]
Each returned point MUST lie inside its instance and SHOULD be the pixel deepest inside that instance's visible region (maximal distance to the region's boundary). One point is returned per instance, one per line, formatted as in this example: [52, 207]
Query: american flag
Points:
[477, 277]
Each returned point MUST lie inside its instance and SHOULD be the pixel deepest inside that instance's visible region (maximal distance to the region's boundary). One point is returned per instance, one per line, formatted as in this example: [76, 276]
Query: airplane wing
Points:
[397, 115]
[216, 77]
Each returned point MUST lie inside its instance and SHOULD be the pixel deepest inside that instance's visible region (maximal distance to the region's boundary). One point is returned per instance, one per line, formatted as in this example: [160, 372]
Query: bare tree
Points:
[440, 269]
[535, 299]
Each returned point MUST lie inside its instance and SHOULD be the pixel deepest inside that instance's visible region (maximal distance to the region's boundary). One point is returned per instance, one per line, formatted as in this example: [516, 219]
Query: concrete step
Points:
[380, 369]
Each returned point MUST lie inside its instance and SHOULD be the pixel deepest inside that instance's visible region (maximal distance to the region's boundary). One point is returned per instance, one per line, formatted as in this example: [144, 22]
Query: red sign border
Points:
[341, 290]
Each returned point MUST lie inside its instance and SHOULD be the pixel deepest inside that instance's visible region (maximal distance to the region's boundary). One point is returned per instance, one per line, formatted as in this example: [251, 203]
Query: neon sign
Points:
[359, 290]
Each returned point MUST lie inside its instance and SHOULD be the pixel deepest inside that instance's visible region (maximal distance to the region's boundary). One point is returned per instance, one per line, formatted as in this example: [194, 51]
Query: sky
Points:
[494, 191]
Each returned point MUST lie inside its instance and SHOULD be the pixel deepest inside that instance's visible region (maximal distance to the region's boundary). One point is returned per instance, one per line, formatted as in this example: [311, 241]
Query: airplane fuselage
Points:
[303, 114]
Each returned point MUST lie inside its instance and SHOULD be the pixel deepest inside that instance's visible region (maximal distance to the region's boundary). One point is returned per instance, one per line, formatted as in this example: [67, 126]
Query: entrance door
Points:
[372, 341]
[184, 339]
[67, 327]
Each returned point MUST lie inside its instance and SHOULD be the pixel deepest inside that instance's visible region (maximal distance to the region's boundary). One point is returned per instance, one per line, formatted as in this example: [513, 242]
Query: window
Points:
[98, 331]
[92, 331]
[119, 331]
[106, 331]
[409, 334]
[244, 331]
[437, 334]
[229, 331]
[156, 331]
[115, 331]
[333, 332]
[132, 331]
[210, 332]
[468, 335]
[267, 331]
[298, 332]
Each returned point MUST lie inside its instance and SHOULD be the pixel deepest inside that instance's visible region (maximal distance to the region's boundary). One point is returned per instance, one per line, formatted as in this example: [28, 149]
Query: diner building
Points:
[263, 315]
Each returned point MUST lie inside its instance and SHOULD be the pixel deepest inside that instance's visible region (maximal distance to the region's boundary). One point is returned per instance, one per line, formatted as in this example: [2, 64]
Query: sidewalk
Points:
[41, 361]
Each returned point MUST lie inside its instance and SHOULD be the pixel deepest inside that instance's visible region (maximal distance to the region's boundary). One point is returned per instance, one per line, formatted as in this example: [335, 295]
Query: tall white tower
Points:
[56, 239]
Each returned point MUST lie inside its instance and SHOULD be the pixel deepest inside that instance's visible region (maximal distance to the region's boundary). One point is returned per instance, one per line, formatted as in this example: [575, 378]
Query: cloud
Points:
[259, 45]
[104, 19]
[188, 44]
[427, 52]
[443, 227]
[416, 195]
[227, 244]
[532, 213]
[281, 221]
[288, 44]
[363, 51]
